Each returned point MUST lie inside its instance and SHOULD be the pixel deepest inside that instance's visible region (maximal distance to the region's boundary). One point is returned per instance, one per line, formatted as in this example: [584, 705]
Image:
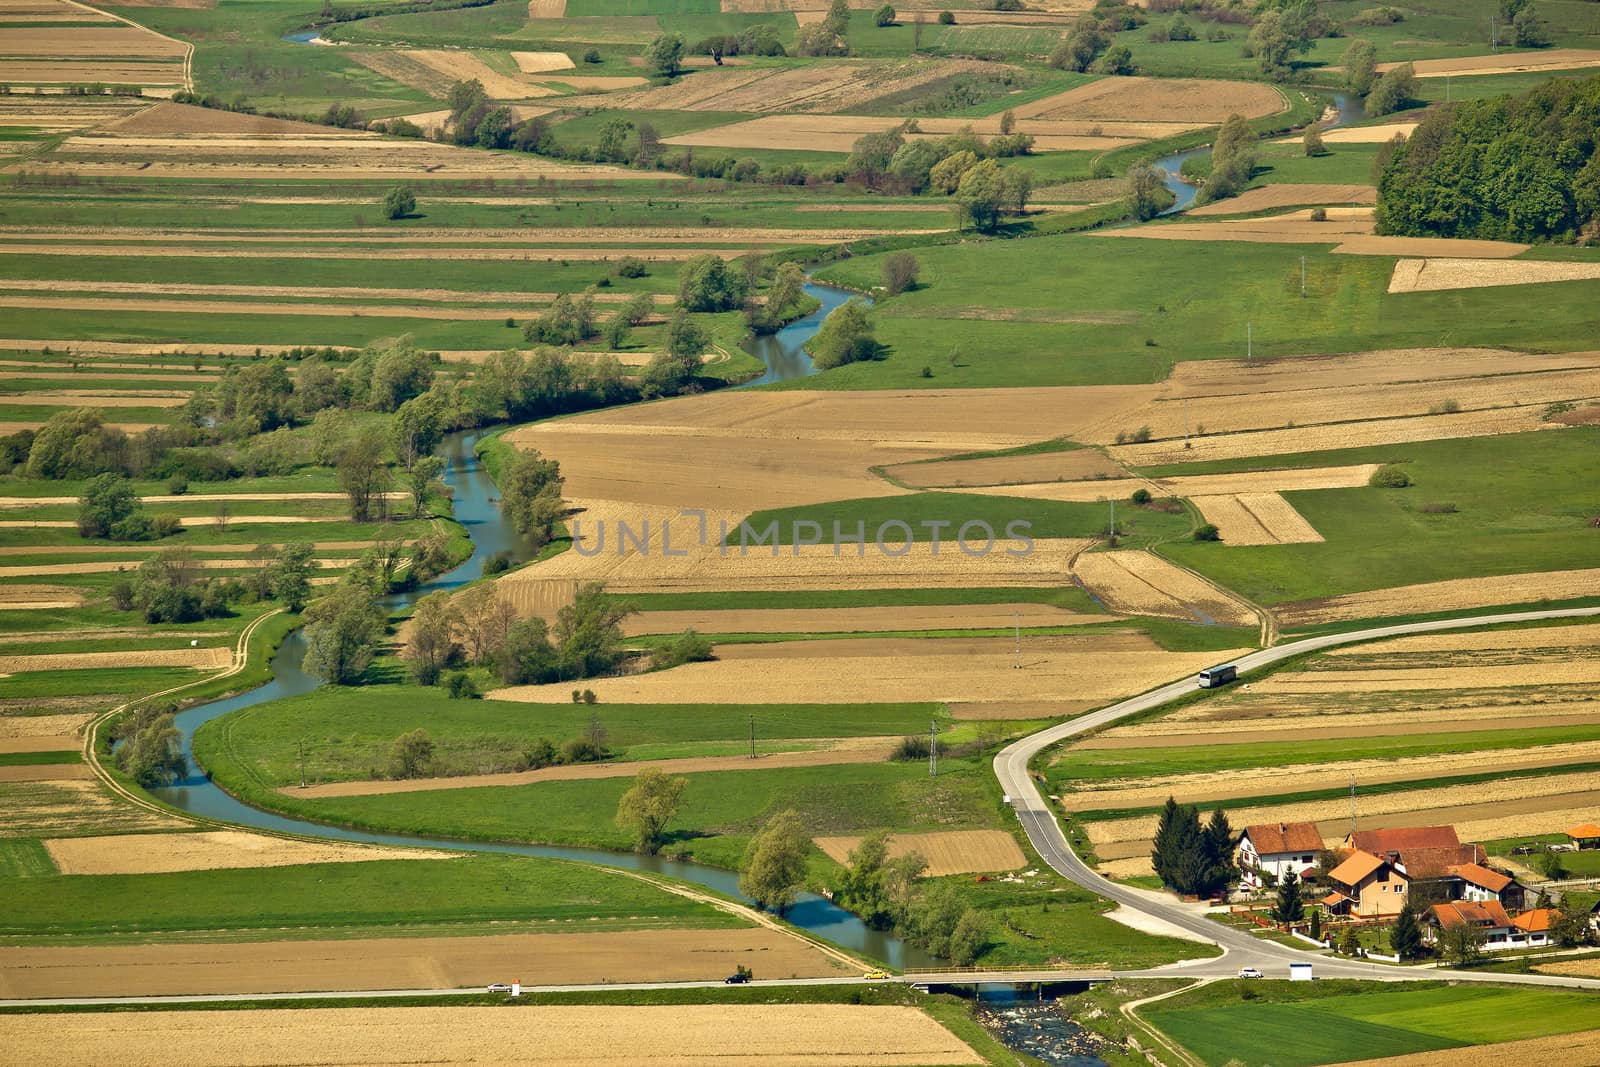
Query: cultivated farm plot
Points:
[1450, 595]
[1503, 63]
[1434, 275]
[884, 670]
[408, 962]
[198, 658]
[800, 1035]
[208, 851]
[1078, 464]
[101, 51]
[949, 852]
[541, 62]
[1195, 486]
[1139, 583]
[72, 807]
[854, 620]
[1269, 197]
[1359, 134]
[1350, 230]
[433, 71]
[1256, 519]
[1560, 1050]
[1171, 100]
[838, 133]
[39, 597]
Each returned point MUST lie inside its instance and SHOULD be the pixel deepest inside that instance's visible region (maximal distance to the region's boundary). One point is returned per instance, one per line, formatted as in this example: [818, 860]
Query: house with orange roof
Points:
[1490, 917]
[1268, 851]
[1366, 886]
[1586, 836]
[1532, 928]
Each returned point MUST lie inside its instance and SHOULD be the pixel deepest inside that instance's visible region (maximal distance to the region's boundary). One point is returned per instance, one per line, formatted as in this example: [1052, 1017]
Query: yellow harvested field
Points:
[106, 72]
[856, 670]
[433, 71]
[1139, 583]
[1559, 1050]
[854, 620]
[119, 41]
[1202, 485]
[438, 119]
[1582, 671]
[817, 89]
[553, 958]
[1256, 519]
[837, 133]
[44, 772]
[796, 1035]
[1589, 968]
[827, 752]
[209, 851]
[1433, 275]
[1080, 464]
[1444, 596]
[58, 808]
[1275, 196]
[594, 83]
[1580, 635]
[39, 597]
[1294, 227]
[1193, 100]
[547, 9]
[1360, 134]
[1334, 775]
[950, 852]
[541, 62]
[1504, 63]
[41, 733]
[1441, 247]
[167, 120]
[163, 399]
[198, 658]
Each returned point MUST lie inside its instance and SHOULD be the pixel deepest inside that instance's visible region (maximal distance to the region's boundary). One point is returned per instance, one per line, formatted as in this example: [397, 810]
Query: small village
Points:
[1408, 893]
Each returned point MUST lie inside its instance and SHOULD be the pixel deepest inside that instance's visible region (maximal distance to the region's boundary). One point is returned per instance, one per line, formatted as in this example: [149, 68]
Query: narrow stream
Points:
[1348, 108]
[477, 507]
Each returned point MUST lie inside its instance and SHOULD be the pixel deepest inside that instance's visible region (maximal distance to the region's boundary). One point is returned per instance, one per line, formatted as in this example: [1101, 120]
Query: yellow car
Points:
[878, 976]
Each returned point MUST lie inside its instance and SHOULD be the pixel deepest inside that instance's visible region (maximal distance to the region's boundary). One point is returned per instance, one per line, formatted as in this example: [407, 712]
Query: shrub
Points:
[1378, 16]
[1442, 508]
[592, 56]
[947, 18]
[884, 16]
[632, 267]
[1447, 406]
[1389, 476]
[399, 203]
[1313, 142]
[462, 687]
[582, 750]
[915, 747]
[540, 753]
[1141, 497]
[900, 272]
[1140, 436]
[498, 563]
[177, 485]
[1207, 532]
[1319, 214]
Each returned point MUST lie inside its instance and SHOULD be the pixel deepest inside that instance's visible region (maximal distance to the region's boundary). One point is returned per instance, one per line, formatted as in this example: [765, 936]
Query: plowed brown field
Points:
[951, 852]
[38, 597]
[1165, 99]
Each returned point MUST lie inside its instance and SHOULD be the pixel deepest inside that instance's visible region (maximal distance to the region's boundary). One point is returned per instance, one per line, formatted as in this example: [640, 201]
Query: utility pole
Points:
[1016, 620]
[1302, 277]
[1249, 342]
[752, 737]
[302, 763]
[1352, 805]
[1113, 522]
[933, 748]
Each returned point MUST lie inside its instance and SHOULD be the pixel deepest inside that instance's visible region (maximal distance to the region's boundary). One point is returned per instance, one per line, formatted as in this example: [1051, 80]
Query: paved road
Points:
[1239, 947]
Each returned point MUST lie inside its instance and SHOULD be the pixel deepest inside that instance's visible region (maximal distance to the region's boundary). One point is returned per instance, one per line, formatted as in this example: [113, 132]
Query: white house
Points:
[1275, 849]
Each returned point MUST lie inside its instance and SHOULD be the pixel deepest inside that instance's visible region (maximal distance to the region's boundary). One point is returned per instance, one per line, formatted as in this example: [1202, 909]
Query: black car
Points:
[736, 979]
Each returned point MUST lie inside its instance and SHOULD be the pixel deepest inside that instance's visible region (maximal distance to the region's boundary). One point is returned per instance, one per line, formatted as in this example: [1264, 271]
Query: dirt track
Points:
[838, 751]
[405, 962]
[950, 852]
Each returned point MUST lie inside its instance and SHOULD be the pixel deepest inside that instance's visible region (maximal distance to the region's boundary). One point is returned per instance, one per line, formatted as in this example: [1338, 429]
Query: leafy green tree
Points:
[884, 16]
[707, 283]
[981, 195]
[1349, 943]
[108, 501]
[946, 175]
[400, 202]
[422, 480]
[1118, 59]
[1289, 908]
[1405, 937]
[1395, 91]
[970, 938]
[672, 371]
[289, 574]
[151, 749]
[1275, 40]
[1078, 52]
[342, 634]
[774, 866]
[912, 165]
[845, 337]
[1529, 30]
[1147, 191]
[166, 587]
[664, 54]
[871, 154]
[900, 271]
[412, 753]
[417, 427]
[527, 657]
[1360, 66]
[530, 496]
[430, 640]
[1462, 944]
[613, 143]
[588, 633]
[464, 96]
[1233, 160]
[362, 470]
[1569, 926]
[936, 920]
[687, 647]
[649, 806]
[76, 444]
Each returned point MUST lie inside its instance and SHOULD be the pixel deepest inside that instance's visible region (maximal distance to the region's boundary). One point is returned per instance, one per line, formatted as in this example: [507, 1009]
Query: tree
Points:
[871, 153]
[1147, 191]
[342, 633]
[588, 633]
[945, 176]
[417, 426]
[707, 283]
[687, 647]
[399, 203]
[1233, 160]
[1008, 121]
[1313, 142]
[530, 496]
[107, 503]
[412, 753]
[845, 337]
[775, 862]
[900, 272]
[362, 472]
[1349, 943]
[527, 657]
[1462, 944]
[151, 752]
[884, 16]
[430, 641]
[981, 194]
[1395, 91]
[672, 371]
[1569, 926]
[1162, 852]
[1529, 29]
[1405, 937]
[1118, 59]
[1218, 844]
[970, 939]
[1360, 66]
[1315, 933]
[786, 299]
[165, 588]
[76, 444]
[1274, 40]
[1087, 40]
[664, 54]
[648, 806]
[424, 479]
[289, 574]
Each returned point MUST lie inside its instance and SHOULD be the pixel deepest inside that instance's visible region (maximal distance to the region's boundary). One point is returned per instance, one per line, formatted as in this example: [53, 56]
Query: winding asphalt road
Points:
[1240, 947]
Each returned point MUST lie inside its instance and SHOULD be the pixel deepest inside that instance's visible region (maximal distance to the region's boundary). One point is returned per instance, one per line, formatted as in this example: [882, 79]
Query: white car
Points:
[499, 987]
[1250, 972]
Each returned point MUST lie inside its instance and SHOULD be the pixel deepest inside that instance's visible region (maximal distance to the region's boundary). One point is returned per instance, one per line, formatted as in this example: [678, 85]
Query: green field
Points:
[1333, 1022]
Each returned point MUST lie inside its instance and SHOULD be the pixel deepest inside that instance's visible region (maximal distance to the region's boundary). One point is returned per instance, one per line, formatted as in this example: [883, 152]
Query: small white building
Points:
[1275, 849]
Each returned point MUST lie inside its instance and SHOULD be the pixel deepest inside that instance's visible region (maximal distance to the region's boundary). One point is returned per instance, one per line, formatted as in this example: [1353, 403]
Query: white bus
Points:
[1213, 677]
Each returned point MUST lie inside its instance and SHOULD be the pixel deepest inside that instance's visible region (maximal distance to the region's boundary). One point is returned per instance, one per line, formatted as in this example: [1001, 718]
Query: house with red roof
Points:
[1266, 852]
[1439, 867]
[1491, 918]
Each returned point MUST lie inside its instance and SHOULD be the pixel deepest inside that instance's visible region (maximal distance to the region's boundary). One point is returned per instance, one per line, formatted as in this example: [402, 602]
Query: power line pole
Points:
[752, 737]
[1249, 342]
[302, 763]
[1016, 621]
[1302, 277]
[933, 748]
[1113, 523]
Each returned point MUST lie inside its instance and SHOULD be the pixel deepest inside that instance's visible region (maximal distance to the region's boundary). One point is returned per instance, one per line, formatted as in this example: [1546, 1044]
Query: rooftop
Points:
[1465, 911]
[1276, 837]
[1356, 867]
[1403, 837]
